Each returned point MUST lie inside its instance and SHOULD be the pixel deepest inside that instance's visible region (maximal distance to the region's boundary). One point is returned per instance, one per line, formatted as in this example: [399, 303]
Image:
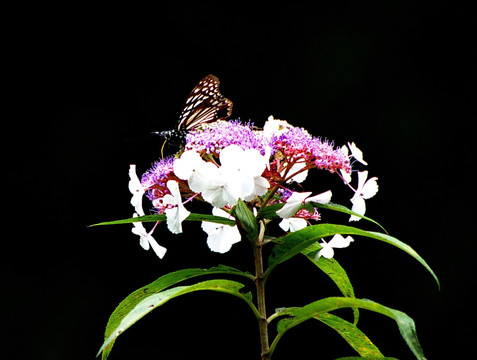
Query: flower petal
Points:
[323, 198]
[359, 206]
[362, 176]
[185, 165]
[146, 240]
[370, 188]
[338, 241]
[345, 176]
[326, 251]
[220, 237]
[231, 155]
[177, 214]
[138, 229]
[253, 162]
[216, 196]
[136, 190]
[261, 188]
[203, 177]
[356, 153]
[293, 224]
[293, 204]
[158, 249]
[301, 176]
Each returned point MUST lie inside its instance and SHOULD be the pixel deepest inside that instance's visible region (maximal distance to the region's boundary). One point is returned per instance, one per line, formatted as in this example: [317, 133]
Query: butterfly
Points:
[205, 104]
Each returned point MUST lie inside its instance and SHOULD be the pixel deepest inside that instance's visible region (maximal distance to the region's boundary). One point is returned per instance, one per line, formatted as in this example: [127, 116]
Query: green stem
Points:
[269, 196]
[260, 286]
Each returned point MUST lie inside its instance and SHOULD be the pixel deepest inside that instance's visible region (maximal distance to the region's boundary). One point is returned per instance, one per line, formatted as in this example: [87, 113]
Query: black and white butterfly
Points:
[205, 104]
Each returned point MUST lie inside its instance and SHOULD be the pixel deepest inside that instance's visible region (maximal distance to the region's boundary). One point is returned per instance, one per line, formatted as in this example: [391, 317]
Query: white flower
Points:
[261, 187]
[297, 199]
[221, 237]
[239, 177]
[196, 171]
[357, 153]
[275, 127]
[145, 239]
[338, 241]
[293, 204]
[300, 177]
[365, 190]
[293, 224]
[136, 190]
[176, 212]
[345, 176]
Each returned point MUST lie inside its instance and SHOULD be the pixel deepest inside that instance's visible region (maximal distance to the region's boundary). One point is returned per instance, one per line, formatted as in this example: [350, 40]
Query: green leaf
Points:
[367, 358]
[404, 247]
[336, 273]
[162, 217]
[151, 302]
[156, 287]
[270, 211]
[353, 336]
[332, 268]
[293, 243]
[344, 209]
[405, 323]
[246, 219]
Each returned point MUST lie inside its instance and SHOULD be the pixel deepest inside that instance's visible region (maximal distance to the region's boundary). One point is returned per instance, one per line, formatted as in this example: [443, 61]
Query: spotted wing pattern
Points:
[205, 104]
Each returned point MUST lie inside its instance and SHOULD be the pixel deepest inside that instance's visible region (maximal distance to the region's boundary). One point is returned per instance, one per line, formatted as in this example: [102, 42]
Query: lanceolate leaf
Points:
[246, 219]
[317, 308]
[353, 336]
[137, 302]
[366, 358]
[333, 269]
[293, 243]
[162, 217]
[344, 209]
[269, 212]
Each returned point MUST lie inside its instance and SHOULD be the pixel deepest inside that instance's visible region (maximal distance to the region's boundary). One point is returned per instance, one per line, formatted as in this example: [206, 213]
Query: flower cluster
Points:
[227, 160]
[218, 135]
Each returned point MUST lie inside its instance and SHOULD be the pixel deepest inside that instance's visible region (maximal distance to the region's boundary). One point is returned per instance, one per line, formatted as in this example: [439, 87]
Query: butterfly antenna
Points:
[162, 148]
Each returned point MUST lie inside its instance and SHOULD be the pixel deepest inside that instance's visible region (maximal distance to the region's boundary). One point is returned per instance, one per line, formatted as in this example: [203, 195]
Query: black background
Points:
[87, 85]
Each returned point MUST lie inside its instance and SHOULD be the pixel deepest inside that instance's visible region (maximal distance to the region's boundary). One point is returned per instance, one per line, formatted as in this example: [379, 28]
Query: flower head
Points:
[218, 135]
[225, 161]
[155, 179]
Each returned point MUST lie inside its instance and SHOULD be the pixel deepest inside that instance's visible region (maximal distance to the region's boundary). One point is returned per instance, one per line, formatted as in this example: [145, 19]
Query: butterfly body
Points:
[174, 137]
[205, 104]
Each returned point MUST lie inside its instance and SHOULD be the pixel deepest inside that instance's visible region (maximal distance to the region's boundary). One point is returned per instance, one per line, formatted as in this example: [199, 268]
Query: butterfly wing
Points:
[204, 104]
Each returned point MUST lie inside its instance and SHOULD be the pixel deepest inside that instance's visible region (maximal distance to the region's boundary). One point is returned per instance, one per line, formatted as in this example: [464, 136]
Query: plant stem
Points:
[260, 286]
